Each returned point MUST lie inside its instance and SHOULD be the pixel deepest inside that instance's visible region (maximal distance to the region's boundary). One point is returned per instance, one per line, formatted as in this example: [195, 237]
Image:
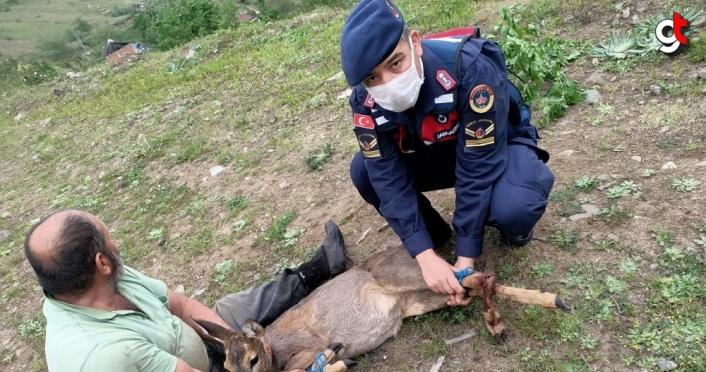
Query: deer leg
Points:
[490, 313]
[542, 299]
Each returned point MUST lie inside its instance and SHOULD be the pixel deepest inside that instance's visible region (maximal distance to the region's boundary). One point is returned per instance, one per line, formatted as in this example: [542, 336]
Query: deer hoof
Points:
[561, 305]
[335, 347]
[501, 338]
[350, 363]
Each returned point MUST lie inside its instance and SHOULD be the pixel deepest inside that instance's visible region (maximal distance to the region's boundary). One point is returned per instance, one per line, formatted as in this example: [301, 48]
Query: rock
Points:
[179, 289]
[140, 137]
[654, 266]
[595, 61]
[702, 74]
[4, 234]
[45, 122]
[216, 170]
[635, 20]
[669, 165]
[641, 102]
[595, 78]
[590, 208]
[191, 54]
[614, 78]
[663, 130]
[569, 18]
[655, 90]
[592, 96]
[5, 215]
[565, 153]
[612, 237]
[666, 365]
[580, 216]
[703, 90]
[58, 91]
[216, 103]
[334, 78]
[636, 158]
[20, 116]
[198, 294]
[283, 185]
[73, 75]
[698, 22]
[626, 13]
[701, 164]
[162, 242]
[345, 94]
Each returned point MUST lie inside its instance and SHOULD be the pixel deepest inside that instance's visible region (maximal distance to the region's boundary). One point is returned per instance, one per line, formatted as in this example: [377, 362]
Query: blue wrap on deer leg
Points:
[319, 363]
[460, 275]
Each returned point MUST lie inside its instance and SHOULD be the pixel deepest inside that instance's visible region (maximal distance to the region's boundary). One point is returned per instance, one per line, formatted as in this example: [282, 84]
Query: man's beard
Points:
[118, 270]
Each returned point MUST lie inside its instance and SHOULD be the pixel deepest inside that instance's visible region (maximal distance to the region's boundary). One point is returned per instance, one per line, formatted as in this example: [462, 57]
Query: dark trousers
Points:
[263, 303]
[519, 197]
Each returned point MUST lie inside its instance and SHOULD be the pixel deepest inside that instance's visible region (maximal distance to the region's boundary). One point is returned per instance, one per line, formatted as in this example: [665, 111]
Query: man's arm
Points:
[481, 154]
[182, 366]
[184, 308]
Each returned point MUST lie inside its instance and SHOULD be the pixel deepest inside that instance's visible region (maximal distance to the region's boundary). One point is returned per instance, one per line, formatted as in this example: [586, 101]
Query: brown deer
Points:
[356, 312]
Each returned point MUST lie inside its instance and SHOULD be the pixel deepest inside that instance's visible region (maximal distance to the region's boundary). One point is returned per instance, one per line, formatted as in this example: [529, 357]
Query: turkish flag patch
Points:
[363, 121]
[444, 78]
[369, 101]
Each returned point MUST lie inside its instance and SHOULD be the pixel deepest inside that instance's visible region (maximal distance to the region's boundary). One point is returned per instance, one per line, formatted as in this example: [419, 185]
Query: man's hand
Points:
[439, 276]
[461, 263]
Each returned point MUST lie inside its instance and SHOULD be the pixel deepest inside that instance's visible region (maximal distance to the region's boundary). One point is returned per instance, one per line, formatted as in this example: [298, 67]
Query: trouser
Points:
[519, 197]
[263, 304]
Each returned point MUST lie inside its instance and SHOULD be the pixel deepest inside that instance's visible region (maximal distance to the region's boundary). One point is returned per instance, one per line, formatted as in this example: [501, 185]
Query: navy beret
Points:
[370, 34]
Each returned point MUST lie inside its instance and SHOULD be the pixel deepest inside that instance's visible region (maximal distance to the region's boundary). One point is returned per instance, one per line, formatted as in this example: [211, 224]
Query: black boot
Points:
[439, 230]
[517, 241]
[329, 261]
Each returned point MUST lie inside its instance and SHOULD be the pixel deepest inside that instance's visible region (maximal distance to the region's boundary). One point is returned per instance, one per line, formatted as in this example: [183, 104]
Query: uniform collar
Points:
[437, 82]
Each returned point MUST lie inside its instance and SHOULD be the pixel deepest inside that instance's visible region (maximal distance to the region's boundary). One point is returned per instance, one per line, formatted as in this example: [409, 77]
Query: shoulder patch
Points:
[481, 99]
[363, 121]
[369, 101]
[479, 133]
[368, 142]
[444, 78]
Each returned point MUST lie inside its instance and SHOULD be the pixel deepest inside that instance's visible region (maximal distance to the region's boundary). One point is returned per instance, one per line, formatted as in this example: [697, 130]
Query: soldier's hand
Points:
[438, 274]
[325, 361]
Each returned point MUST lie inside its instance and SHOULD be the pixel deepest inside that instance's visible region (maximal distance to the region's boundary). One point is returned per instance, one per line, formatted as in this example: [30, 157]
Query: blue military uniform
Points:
[457, 135]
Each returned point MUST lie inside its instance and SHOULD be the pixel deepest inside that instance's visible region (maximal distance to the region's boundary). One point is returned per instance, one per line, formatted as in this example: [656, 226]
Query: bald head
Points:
[61, 248]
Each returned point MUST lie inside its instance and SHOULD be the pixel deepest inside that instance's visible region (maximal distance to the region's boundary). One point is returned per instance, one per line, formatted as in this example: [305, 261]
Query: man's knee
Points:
[519, 212]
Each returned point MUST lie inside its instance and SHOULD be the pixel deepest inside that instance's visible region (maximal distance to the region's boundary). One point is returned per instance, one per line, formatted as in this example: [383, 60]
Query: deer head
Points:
[246, 351]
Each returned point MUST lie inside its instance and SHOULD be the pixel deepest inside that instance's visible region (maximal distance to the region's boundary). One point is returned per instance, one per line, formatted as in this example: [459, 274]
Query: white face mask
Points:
[401, 93]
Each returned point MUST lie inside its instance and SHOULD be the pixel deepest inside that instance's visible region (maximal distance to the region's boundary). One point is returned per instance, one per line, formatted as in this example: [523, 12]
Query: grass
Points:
[135, 145]
[31, 21]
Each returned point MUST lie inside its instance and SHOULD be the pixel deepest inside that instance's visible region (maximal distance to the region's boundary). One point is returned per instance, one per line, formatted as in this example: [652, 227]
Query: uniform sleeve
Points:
[392, 182]
[129, 356]
[481, 151]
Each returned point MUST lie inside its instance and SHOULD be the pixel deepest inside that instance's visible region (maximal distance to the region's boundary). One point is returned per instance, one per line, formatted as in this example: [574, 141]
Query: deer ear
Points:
[253, 329]
[216, 333]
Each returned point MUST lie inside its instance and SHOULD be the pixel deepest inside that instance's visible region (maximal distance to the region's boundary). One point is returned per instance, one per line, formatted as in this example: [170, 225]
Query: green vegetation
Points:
[135, 143]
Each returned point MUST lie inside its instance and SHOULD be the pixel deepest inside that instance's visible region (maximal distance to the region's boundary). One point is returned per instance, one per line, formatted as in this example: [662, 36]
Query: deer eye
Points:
[253, 361]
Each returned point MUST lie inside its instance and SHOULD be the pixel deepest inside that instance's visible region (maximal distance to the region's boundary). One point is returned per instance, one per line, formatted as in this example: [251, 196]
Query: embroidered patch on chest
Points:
[481, 99]
[363, 121]
[445, 79]
[369, 101]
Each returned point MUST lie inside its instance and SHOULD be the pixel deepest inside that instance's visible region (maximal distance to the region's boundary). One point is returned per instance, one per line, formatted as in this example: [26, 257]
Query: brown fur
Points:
[362, 308]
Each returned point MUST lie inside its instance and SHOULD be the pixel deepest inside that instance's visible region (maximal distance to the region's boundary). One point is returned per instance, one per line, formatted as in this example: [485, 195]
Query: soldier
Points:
[423, 126]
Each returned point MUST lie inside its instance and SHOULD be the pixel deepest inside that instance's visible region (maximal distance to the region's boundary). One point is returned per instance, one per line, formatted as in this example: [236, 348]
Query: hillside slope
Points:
[139, 146]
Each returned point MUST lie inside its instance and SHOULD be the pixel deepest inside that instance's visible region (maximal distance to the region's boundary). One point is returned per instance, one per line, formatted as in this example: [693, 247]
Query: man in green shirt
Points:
[106, 316]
